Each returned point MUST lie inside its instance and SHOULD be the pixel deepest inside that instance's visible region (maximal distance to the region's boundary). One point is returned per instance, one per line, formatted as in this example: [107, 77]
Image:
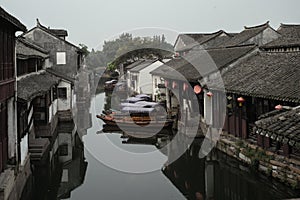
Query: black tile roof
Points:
[282, 42]
[26, 49]
[59, 32]
[207, 62]
[134, 64]
[47, 30]
[246, 34]
[60, 75]
[142, 65]
[265, 75]
[283, 127]
[12, 20]
[289, 30]
[290, 37]
[34, 85]
[194, 39]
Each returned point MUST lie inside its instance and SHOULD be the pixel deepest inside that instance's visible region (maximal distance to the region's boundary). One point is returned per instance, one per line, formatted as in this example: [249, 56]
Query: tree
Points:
[84, 49]
[127, 48]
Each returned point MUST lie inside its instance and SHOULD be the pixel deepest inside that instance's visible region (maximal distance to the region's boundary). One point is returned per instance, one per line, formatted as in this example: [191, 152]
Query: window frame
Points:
[61, 58]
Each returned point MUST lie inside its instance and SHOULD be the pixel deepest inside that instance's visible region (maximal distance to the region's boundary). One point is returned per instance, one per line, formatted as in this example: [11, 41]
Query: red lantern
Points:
[241, 100]
[197, 89]
[166, 83]
[209, 94]
[174, 84]
[185, 86]
[278, 107]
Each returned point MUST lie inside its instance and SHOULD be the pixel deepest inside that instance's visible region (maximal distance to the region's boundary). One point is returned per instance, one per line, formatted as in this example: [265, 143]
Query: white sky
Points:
[92, 21]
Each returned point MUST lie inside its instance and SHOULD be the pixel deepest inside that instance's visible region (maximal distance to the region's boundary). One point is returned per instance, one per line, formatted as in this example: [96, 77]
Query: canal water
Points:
[102, 168]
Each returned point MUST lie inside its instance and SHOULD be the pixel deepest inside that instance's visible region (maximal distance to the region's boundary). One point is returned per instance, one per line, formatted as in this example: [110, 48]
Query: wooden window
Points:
[78, 61]
[39, 64]
[22, 119]
[40, 110]
[39, 116]
[60, 58]
[63, 150]
[6, 54]
[62, 93]
[31, 65]
[54, 89]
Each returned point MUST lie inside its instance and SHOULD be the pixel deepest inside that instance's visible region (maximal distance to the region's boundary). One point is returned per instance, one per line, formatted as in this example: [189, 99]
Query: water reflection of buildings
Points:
[220, 177]
[216, 176]
[73, 172]
[84, 92]
[68, 174]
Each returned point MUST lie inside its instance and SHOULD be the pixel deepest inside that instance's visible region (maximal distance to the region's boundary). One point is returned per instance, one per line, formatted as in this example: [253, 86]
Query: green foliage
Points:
[240, 143]
[111, 66]
[128, 48]
[84, 49]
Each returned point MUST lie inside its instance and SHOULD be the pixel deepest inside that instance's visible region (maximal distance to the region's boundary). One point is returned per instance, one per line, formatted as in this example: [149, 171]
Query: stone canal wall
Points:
[273, 165]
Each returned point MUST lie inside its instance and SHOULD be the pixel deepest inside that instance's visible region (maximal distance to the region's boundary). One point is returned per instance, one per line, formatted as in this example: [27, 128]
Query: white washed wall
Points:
[24, 149]
[65, 104]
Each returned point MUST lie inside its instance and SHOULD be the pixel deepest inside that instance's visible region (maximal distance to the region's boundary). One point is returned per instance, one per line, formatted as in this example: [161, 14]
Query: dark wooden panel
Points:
[232, 124]
[7, 89]
[244, 129]
[1, 160]
[226, 126]
[237, 127]
[267, 142]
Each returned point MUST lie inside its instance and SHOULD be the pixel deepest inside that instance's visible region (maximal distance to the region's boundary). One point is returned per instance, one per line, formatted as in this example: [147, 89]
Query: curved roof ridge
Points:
[257, 26]
[288, 25]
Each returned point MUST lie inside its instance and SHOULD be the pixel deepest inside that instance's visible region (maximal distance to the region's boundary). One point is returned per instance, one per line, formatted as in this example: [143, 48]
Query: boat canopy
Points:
[141, 104]
[126, 104]
[137, 110]
[147, 103]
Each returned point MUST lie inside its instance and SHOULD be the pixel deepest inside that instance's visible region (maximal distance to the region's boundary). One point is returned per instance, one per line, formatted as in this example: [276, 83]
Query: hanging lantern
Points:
[174, 84]
[241, 100]
[197, 89]
[278, 107]
[185, 86]
[209, 94]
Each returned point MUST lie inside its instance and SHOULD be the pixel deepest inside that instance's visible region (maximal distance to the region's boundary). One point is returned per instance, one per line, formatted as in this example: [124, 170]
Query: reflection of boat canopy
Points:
[119, 84]
[111, 81]
[133, 99]
[137, 110]
[143, 96]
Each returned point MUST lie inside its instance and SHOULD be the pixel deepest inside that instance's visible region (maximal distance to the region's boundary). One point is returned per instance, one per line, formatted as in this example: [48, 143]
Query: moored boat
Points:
[136, 117]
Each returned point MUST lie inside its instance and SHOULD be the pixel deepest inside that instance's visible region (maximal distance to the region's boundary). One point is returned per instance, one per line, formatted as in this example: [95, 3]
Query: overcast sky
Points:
[92, 21]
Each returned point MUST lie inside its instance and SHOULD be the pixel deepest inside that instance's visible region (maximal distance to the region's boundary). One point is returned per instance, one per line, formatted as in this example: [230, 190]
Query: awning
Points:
[35, 85]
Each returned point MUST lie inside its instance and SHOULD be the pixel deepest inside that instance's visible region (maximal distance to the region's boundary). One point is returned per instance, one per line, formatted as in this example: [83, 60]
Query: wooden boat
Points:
[129, 117]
